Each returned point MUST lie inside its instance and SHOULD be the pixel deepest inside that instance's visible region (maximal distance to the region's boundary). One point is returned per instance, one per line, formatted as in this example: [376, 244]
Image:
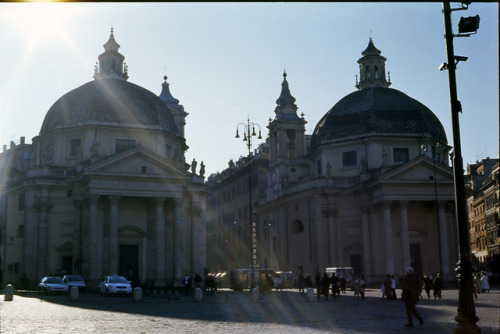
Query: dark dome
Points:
[376, 110]
[109, 102]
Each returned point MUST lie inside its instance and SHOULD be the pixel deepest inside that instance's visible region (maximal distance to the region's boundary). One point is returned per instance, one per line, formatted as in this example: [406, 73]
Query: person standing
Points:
[343, 283]
[325, 285]
[301, 283]
[318, 285]
[411, 292]
[388, 287]
[485, 284]
[187, 283]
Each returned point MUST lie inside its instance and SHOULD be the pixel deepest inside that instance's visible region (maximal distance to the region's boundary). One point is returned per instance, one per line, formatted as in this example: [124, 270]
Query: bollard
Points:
[255, 295]
[137, 294]
[9, 293]
[73, 293]
[310, 294]
[198, 294]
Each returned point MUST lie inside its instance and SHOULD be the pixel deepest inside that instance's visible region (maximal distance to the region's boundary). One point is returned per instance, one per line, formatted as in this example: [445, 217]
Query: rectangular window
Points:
[400, 155]
[121, 145]
[349, 159]
[49, 153]
[75, 147]
[20, 204]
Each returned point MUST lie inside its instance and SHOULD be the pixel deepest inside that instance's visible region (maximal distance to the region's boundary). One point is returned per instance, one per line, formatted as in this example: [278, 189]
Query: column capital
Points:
[404, 203]
[159, 200]
[114, 198]
[386, 204]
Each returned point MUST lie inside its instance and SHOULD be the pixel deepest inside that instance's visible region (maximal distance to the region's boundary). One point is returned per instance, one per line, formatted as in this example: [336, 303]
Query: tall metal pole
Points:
[466, 315]
[249, 131]
[250, 206]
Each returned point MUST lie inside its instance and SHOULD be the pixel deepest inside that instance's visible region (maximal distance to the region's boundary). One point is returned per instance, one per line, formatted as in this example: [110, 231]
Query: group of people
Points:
[480, 283]
[429, 284]
[337, 285]
[208, 285]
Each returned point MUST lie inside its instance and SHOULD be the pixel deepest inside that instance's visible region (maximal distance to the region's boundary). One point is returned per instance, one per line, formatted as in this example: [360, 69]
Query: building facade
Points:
[371, 188]
[104, 188]
[483, 207]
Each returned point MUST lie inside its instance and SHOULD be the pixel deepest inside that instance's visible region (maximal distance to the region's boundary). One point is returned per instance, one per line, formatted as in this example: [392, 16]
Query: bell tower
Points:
[111, 62]
[287, 130]
[372, 69]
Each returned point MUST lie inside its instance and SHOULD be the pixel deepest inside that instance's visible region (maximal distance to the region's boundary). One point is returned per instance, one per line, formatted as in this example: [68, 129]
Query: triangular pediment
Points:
[421, 169]
[137, 161]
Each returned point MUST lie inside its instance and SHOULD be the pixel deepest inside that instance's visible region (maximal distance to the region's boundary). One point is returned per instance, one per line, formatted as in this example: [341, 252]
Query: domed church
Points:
[104, 188]
[370, 189]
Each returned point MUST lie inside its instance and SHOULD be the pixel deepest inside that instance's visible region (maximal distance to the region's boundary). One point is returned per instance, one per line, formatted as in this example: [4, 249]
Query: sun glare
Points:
[41, 21]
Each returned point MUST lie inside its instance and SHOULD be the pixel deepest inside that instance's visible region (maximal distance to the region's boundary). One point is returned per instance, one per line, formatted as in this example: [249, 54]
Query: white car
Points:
[51, 284]
[75, 280]
[115, 285]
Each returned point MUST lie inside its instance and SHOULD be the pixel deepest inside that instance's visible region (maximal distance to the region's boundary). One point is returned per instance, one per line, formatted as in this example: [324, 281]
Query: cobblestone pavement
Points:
[235, 312]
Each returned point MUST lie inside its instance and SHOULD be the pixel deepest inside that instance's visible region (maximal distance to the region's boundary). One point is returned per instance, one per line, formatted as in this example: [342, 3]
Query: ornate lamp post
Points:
[466, 316]
[248, 132]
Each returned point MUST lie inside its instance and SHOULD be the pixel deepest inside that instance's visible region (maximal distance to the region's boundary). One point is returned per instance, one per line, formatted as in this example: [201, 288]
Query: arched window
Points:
[297, 226]
[113, 65]
[367, 72]
[376, 72]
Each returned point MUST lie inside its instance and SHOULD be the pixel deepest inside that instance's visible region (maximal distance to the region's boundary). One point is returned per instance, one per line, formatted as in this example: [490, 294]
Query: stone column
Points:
[199, 237]
[365, 219]
[405, 236]
[388, 245]
[330, 237]
[93, 239]
[160, 242]
[77, 236]
[43, 238]
[443, 238]
[178, 246]
[113, 235]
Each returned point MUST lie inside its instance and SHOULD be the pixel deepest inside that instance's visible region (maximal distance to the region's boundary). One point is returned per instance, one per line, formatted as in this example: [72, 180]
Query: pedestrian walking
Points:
[357, 289]
[427, 285]
[411, 292]
[393, 287]
[362, 286]
[438, 286]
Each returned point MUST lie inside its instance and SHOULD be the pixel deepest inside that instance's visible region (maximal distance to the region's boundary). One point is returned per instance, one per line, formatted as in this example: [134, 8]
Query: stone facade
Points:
[371, 188]
[104, 188]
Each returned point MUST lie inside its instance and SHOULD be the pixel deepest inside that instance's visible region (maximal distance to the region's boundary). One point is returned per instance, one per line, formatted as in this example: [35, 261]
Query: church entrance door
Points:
[129, 261]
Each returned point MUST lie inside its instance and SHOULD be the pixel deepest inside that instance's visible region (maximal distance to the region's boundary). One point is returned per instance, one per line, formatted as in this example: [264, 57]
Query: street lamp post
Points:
[466, 315]
[248, 132]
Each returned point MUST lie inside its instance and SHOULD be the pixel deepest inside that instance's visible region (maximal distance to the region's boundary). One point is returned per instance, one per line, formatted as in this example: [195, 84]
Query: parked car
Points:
[75, 280]
[51, 284]
[115, 285]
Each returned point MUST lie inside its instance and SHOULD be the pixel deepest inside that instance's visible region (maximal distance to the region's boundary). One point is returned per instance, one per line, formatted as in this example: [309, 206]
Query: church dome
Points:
[375, 109]
[109, 101]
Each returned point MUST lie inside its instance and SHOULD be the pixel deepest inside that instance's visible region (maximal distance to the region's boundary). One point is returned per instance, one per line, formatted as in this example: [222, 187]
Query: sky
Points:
[225, 63]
